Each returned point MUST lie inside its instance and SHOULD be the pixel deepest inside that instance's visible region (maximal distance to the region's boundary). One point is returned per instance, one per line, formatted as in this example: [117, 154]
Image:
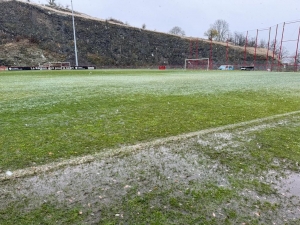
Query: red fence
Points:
[2, 68]
[281, 47]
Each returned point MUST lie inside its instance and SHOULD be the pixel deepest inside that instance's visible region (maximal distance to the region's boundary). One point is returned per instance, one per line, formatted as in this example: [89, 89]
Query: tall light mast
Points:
[74, 31]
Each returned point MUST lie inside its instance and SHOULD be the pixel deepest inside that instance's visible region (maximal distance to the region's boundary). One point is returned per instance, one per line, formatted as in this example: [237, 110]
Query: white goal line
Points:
[133, 148]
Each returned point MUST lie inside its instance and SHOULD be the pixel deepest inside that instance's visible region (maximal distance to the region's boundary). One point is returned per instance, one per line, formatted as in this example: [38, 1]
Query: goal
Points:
[55, 66]
[196, 64]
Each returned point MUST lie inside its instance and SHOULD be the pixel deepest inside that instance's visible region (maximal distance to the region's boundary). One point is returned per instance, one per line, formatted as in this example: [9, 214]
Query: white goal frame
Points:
[200, 59]
[55, 66]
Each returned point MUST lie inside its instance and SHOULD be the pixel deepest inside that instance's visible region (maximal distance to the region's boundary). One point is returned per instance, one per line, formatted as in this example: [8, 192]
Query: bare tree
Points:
[284, 53]
[296, 57]
[177, 31]
[251, 42]
[237, 39]
[222, 27]
[211, 34]
[263, 44]
[51, 2]
[281, 53]
[241, 40]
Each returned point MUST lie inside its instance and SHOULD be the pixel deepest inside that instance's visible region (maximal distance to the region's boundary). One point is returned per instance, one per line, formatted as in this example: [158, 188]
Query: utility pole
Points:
[75, 45]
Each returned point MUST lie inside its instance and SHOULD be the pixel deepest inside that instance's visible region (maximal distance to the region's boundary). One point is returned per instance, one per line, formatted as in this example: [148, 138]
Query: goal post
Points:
[55, 66]
[196, 64]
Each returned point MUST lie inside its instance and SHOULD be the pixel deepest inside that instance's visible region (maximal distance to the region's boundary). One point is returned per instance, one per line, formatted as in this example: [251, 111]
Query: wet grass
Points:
[224, 177]
[280, 143]
[48, 116]
[249, 198]
[45, 214]
[160, 207]
[217, 178]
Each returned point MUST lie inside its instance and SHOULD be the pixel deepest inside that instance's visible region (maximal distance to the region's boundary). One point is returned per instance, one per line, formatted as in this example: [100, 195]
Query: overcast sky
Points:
[195, 16]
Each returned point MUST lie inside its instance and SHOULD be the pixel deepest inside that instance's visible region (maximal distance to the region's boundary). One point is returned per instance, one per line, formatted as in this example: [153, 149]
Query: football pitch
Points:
[48, 116]
[205, 147]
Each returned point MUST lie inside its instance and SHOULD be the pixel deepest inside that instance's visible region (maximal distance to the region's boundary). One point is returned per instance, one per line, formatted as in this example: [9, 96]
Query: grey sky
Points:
[195, 16]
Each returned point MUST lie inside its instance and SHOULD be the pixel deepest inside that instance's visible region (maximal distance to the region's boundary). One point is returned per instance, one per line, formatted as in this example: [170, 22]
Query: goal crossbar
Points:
[55, 66]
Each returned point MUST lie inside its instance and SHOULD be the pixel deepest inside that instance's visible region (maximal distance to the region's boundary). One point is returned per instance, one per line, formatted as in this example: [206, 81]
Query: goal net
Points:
[196, 64]
[55, 66]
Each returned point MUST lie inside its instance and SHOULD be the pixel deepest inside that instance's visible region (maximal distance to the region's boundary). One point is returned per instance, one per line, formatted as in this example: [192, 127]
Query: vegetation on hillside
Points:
[101, 43]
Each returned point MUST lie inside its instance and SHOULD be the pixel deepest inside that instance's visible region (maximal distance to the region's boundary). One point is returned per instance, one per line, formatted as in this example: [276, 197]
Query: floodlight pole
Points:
[75, 45]
[227, 52]
[267, 60]
[210, 56]
[280, 56]
[296, 56]
[245, 51]
[255, 47]
[274, 48]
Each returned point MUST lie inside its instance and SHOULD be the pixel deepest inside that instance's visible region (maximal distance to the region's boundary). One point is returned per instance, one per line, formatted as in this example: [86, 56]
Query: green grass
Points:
[46, 116]
[222, 177]
[206, 202]
[45, 214]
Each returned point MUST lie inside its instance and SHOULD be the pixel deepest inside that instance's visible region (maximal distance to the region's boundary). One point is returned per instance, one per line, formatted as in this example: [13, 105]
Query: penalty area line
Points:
[30, 171]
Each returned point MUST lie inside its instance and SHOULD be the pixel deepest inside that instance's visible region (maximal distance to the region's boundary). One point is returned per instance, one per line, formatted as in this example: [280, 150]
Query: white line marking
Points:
[114, 152]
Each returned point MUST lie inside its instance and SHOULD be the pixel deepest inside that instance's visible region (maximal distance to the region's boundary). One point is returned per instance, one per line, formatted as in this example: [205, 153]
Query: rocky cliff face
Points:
[32, 34]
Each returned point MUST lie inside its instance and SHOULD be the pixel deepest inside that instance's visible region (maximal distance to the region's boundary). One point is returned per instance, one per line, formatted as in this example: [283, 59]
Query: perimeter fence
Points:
[275, 48]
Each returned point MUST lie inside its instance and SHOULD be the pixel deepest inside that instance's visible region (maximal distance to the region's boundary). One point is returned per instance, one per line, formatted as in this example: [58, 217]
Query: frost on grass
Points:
[30, 92]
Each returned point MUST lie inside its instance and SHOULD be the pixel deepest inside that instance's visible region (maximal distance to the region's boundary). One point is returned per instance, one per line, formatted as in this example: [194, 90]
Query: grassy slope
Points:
[46, 116]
